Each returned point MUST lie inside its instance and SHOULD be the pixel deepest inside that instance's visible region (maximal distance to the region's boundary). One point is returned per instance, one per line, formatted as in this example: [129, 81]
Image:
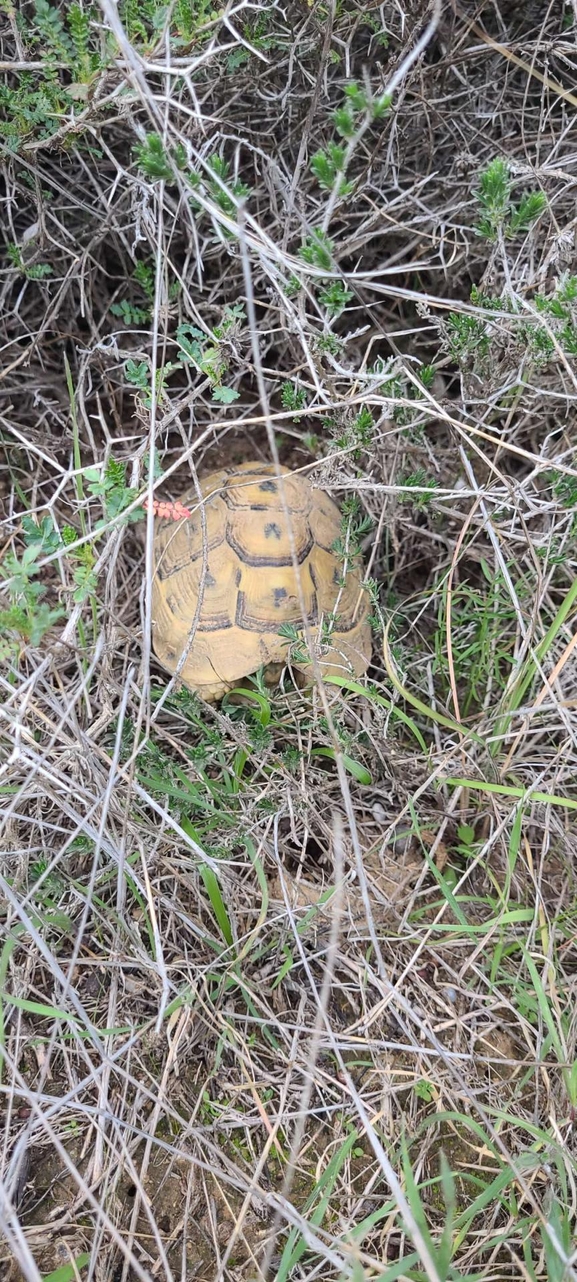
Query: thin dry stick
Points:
[532, 71]
[547, 688]
[315, 1040]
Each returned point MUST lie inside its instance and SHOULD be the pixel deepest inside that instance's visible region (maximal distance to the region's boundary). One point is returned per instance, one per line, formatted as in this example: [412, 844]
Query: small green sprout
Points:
[153, 160]
[318, 250]
[32, 271]
[292, 398]
[334, 298]
[422, 482]
[328, 168]
[498, 212]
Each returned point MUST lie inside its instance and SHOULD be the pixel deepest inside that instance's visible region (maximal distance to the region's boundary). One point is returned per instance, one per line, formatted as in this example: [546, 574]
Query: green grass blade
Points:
[424, 708]
[544, 1007]
[262, 703]
[355, 687]
[9, 946]
[217, 903]
[295, 1245]
[68, 1272]
[529, 668]
[263, 887]
[509, 790]
[558, 1221]
[354, 768]
[37, 1008]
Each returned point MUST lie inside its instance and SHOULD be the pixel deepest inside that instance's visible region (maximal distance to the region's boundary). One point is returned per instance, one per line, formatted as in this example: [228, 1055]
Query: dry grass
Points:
[269, 1011]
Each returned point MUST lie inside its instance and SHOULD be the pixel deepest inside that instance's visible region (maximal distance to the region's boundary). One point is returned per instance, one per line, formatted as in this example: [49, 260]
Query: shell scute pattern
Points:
[237, 594]
[263, 540]
[178, 544]
[258, 487]
[325, 522]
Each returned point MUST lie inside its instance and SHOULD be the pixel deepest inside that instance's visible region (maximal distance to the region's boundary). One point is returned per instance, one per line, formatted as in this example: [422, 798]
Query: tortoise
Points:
[238, 556]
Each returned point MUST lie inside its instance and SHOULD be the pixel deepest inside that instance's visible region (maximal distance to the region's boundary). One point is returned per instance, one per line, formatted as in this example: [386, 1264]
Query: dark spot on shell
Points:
[210, 581]
[272, 528]
[270, 487]
[337, 577]
[279, 594]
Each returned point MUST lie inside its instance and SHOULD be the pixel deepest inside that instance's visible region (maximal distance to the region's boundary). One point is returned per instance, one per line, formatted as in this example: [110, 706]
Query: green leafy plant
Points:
[216, 183]
[564, 488]
[467, 337]
[358, 434]
[138, 374]
[30, 109]
[328, 168]
[86, 59]
[498, 211]
[358, 103]
[189, 16]
[292, 398]
[345, 121]
[27, 617]
[129, 313]
[426, 375]
[153, 160]
[334, 297]
[48, 23]
[318, 250]
[226, 199]
[206, 352]
[32, 271]
[297, 651]
[421, 481]
[374, 22]
[82, 558]
[208, 356]
[291, 287]
[560, 307]
[110, 486]
[355, 525]
[404, 393]
[529, 209]
[143, 274]
[68, 52]
[207, 359]
[424, 1090]
[188, 21]
[480, 344]
[332, 344]
[225, 395]
[482, 638]
[232, 318]
[41, 533]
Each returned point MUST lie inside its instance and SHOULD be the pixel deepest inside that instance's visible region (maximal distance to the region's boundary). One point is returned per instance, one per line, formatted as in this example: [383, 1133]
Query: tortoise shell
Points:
[225, 580]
